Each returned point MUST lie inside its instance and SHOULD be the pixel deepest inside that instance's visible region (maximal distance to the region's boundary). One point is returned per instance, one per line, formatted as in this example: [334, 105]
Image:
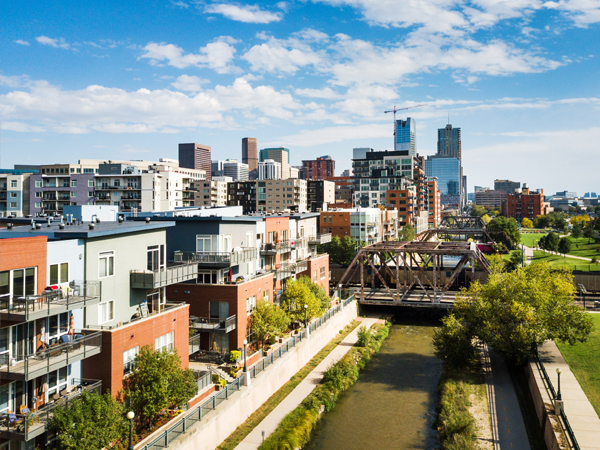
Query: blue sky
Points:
[133, 79]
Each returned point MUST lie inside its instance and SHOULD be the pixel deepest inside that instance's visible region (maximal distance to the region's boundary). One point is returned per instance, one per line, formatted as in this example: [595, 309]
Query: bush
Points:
[234, 355]
[364, 336]
[453, 343]
[215, 378]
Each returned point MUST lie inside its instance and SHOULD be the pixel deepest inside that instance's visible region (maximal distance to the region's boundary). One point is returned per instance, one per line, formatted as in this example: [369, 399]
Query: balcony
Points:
[28, 367]
[212, 325]
[24, 427]
[217, 259]
[275, 249]
[154, 279]
[77, 294]
[288, 270]
[320, 239]
[165, 308]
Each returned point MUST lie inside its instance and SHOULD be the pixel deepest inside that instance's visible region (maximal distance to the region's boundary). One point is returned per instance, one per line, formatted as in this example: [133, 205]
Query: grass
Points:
[558, 261]
[265, 409]
[584, 361]
[582, 247]
[528, 239]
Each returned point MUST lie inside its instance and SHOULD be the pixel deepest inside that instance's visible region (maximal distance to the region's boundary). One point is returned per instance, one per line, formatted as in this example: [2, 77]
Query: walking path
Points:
[271, 422]
[508, 428]
[581, 414]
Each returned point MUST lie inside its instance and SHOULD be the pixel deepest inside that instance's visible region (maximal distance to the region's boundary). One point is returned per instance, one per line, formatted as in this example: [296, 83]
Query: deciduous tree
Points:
[295, 296]
[407, 233]
[268, 320]
[564, 245]
[526, 223]
[507, 231]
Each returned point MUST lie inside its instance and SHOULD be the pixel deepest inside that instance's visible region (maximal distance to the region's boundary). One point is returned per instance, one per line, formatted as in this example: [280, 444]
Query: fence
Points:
[564, 422]
[181, 426]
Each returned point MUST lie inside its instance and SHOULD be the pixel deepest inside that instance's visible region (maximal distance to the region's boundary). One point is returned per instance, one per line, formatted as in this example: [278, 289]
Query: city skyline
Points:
[314, 77]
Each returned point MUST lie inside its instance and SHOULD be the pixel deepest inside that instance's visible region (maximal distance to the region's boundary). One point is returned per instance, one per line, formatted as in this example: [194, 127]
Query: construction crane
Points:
[401, 109]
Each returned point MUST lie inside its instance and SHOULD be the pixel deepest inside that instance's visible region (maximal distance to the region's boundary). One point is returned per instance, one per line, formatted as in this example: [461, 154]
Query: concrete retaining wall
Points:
[219, 424]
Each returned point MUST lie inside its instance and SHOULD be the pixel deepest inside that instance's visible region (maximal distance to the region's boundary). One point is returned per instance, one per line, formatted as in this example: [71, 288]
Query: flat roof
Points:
[83, 231]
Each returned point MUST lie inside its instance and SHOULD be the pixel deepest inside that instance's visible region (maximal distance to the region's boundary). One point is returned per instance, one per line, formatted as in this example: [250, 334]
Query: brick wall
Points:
[315, 264]
[108, 365]
[19, 253]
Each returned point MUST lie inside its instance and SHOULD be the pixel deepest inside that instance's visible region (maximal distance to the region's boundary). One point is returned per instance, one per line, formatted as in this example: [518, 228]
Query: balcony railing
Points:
[224, 259]
[154, 279]
[214, 325]
[276, 248]
[24, 427]
[287, 270]
[76, 294]
[168, 307]
[320, 239]
[28, 367]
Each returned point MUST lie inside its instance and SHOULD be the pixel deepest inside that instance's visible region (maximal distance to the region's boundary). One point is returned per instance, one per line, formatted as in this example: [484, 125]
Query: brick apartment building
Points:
[318, 169]
[525, 203]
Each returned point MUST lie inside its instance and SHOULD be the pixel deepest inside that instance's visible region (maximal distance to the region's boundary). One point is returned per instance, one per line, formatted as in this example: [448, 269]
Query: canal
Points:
[392, 405]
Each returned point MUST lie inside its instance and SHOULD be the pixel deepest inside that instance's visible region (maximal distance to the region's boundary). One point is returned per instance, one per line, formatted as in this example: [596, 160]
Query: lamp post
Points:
[558, 372]
[306, 316]
[130, 416]
[245, 353]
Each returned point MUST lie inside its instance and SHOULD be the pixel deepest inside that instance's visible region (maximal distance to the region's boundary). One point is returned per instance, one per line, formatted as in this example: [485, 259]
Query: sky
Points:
[131, 80]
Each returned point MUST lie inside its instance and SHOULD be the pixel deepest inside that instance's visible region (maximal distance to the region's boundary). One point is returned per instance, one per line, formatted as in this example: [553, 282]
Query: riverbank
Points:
[295, 429]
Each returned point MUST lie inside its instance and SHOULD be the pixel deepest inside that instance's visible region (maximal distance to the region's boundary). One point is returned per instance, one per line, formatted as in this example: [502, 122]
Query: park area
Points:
[584, 361]
[561, 261]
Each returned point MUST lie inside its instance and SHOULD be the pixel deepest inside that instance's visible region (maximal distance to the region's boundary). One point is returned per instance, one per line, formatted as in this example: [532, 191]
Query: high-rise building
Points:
[318, 169]
[269, 170]
[250, 155]
[447, 169]
[195, 156]
[230, 168]
[281, 155]
[506, 186]
[406, 136]
[449, 143]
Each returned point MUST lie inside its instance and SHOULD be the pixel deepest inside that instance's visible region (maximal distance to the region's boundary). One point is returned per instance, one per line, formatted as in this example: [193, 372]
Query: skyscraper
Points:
[195, 156]
[281, 155]
[448, 143]
[406, 136]
[448, 172]
[250, 155]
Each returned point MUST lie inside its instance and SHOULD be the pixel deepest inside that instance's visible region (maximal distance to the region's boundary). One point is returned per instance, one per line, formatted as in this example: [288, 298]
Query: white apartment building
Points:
[269, 170]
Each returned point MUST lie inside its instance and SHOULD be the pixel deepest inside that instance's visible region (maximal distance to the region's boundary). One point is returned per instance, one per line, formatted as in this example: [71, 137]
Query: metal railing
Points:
[163, 440]
[165, 308]
[279, 247]
[153, 279]
[215, 324]
[74, 295]
[27, 367]
[229, 258]
[29, 425]
[570, 434]
[194, 344]
[323, 238]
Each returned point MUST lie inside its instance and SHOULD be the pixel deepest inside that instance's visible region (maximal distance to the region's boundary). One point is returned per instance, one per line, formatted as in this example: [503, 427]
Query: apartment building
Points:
[344, 189]
[242, 193]
[209, 193]
[434, 211]
[49, 193]
[14, 193]
[490, 198]
[318, 169]
[320, 193]
[525, 203]
[364, 224]
[282, 195]
[269, 169]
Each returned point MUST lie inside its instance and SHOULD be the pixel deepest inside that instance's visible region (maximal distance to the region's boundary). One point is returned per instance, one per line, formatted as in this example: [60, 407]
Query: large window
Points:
[251, 304]
[106, 264]
[164, 342]
[57, 381]
[206, 243]
[129, 360]
[156, 257]
[59, 273]
[106, 311]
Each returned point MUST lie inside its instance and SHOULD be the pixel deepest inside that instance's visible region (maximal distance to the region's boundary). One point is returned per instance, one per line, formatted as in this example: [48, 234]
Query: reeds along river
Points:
[392, 405]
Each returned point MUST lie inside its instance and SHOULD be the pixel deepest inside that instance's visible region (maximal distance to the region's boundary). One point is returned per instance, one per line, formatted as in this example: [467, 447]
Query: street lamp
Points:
[245, 353]
[130, 416]
[558, 372]
[306, 316]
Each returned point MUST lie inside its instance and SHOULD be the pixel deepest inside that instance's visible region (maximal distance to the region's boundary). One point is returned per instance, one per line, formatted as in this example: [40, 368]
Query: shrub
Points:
[234, 355]
[364, 336]
[215, 378]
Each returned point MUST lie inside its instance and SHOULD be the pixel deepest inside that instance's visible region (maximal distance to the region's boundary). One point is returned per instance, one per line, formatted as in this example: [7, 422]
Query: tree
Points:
[91, 421]
[452, 343]
[589, 233]
[564, 245]
[515, 261]
[550, 242]
[517, 311]
[478, 211]
[319, 293]
[541, 221]
[295, 296]
[505, 230]
[158, 383]
[341, 251]
[577, 230]
[486, 218]
[526, 223]
[407, 233]
[268, 320]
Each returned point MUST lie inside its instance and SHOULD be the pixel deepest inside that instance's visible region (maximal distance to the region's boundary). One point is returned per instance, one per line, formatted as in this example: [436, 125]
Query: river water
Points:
[392, 405]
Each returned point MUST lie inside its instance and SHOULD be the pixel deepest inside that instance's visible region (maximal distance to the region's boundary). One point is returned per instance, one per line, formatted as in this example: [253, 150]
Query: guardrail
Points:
[244, 254]
[572, 440]
[167, 307]
[182, 425]
[212, 324]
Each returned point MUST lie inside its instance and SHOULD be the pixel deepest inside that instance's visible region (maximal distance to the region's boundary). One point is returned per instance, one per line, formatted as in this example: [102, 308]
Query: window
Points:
[90, 183]
[106, 311]
[315, 275]
[164, 342]
[206, 243]
[322, 272]
[38, 205]
[90, 194]
[251, 304]
[106, 264]
[38, 184]
[13, 195]
[57, 381]
[59, 273]
[73, 194]
[13, 204]
[129, 360]
[74, 183]
[13, 183]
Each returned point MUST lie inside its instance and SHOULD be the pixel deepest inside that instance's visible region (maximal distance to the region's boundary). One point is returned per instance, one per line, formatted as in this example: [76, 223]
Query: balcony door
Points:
[156, 300]
[219, 310]
[156, 257]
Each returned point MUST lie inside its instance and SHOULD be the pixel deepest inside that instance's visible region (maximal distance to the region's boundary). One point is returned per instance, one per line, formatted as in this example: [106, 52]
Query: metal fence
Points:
[182, 425]
[572, 440]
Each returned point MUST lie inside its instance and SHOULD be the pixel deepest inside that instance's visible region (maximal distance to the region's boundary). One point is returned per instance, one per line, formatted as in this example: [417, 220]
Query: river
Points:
[392, 405]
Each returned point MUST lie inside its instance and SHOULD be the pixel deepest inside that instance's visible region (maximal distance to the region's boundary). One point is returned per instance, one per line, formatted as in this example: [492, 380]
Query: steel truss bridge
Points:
[414, 259]
[461, 227]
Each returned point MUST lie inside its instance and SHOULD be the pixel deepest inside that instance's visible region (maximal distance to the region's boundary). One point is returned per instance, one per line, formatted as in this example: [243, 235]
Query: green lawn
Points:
[584, 361]
[557, 261]
[528, 239]
[582, 247]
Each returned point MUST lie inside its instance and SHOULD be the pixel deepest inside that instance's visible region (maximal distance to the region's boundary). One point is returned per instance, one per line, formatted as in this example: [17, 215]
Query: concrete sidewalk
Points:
[581, 414]
[271, 422]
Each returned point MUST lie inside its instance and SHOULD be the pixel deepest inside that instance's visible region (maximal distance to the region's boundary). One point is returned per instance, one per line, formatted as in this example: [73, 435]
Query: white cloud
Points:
[328, 135]
[56, 43]
[326, 93]
[243, 13]
[272, 56]
[582, 12]
[21, 42]
[215, 55]
[189, 83]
